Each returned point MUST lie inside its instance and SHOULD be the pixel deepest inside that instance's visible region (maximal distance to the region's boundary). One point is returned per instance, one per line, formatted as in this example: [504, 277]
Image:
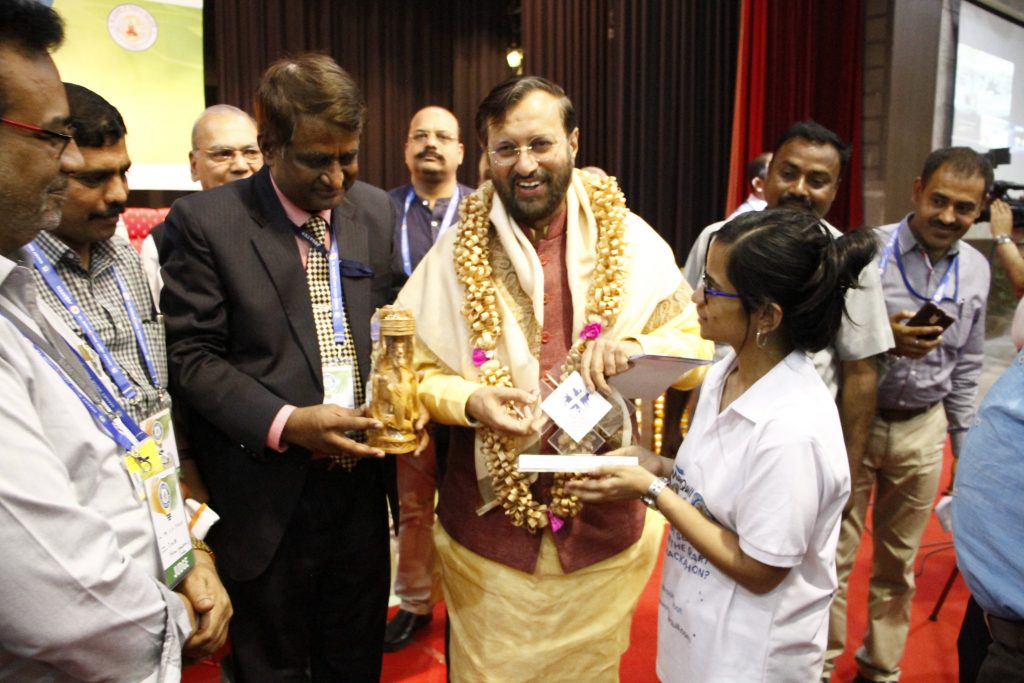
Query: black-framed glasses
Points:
[540, 149]
[59, 141]
[710, 291]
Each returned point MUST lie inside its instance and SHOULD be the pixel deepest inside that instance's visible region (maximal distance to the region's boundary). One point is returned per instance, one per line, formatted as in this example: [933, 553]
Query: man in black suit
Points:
[271, 356]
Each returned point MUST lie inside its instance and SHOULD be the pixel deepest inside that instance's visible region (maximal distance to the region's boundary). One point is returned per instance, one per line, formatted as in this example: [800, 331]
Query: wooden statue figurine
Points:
[393, 380]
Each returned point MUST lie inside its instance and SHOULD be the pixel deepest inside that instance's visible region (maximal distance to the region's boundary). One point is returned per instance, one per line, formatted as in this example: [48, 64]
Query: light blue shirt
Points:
[988, 508]
[949, 373]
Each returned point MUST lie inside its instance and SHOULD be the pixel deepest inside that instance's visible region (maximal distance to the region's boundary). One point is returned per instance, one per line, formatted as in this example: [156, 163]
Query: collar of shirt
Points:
[7, 266]
[440, 203]
[299, 217]
[102, 253]
[754, 403]
[18, 287]
[552, 230]
[755, 203]
[908, 243]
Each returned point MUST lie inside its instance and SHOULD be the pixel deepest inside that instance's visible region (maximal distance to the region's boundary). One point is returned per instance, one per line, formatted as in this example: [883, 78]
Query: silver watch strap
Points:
[650, 499]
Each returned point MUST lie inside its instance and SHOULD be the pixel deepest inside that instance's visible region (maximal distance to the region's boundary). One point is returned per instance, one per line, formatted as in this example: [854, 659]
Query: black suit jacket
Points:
[242, 344]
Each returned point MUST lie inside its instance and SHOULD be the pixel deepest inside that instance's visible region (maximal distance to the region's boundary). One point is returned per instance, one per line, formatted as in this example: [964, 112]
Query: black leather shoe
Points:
[402, 629]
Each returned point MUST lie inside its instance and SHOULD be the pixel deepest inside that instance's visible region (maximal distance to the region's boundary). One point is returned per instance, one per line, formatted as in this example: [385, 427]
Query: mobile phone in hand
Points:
[930, 314]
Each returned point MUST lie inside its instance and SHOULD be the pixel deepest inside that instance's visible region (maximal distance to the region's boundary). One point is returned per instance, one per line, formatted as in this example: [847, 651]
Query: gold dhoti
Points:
[509, 627]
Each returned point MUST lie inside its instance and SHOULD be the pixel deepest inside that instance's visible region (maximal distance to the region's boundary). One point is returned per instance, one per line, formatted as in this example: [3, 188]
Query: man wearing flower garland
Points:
[547, 271]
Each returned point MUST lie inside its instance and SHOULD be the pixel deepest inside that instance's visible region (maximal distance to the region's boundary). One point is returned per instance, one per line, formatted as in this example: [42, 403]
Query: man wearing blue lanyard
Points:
[92, 277]
[427, 206]
[269, 286]
[84, 595]
[927, 389]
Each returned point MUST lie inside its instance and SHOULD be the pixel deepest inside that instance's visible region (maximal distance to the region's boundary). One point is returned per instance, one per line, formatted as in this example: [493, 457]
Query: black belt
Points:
[903, 414]
[1009, 633]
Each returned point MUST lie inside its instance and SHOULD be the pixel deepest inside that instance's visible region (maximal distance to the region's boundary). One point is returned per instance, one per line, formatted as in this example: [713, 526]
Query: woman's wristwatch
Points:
[650, 499]
[1003, 239]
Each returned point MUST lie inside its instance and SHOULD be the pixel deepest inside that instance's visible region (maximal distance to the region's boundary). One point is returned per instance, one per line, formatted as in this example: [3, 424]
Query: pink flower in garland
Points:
[591, 331]
[480, 357]
[555, 521]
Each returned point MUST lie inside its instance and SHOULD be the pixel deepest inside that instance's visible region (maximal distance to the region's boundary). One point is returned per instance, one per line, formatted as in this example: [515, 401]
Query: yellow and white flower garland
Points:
[604, 300]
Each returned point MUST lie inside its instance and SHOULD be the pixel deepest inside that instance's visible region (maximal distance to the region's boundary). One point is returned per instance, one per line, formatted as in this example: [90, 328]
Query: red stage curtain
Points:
[747, 130]
[812, 65]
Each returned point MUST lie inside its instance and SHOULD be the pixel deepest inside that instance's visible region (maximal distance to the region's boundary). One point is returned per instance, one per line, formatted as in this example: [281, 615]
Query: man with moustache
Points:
[270, 283]
[425, 208]
[428, 205]
[927, 391]
[804, 173]
[83, 596]
[546, 271]
[106, 290]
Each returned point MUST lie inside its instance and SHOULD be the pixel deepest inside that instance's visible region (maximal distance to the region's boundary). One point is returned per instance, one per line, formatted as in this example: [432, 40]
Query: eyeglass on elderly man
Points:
[223, 154]
[58, 140]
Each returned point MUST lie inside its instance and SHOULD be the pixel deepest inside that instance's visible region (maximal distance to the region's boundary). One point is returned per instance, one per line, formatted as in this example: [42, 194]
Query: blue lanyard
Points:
[99, 415]
[334, 275]
[446, 222]
[892, 250]
[60, 363]
[63, 294]
[140, 332]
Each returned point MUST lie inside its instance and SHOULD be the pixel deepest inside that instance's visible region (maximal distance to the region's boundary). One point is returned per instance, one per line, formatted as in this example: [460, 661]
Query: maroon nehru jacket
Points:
[600, 530]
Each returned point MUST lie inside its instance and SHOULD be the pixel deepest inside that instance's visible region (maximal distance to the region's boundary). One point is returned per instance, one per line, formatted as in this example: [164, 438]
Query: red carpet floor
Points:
[931, 647]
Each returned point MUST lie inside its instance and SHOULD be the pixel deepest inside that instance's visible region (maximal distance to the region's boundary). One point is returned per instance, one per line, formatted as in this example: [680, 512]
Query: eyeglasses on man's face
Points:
[224, 155]
[443, 137]
[710, 291]
[540, 149]
[58, 140]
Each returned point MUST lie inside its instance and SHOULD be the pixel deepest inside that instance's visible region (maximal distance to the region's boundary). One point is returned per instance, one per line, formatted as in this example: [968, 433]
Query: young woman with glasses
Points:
[755, 494]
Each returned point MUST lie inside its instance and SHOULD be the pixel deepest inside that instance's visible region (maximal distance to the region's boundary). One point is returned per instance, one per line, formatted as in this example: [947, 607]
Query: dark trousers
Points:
[973, 641]
[318, 611]
[1002, 665]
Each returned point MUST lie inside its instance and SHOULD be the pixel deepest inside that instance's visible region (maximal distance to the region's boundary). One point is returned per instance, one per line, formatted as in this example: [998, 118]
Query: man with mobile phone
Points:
[935, 288]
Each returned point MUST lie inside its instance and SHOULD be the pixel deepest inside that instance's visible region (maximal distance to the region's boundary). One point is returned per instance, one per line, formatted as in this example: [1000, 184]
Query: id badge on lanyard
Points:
[161, 491]
[159, 426]
[339, 384]
[152, 480]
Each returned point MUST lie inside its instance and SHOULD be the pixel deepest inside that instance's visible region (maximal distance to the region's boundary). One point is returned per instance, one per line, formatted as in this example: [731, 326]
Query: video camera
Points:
[1002, 188]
